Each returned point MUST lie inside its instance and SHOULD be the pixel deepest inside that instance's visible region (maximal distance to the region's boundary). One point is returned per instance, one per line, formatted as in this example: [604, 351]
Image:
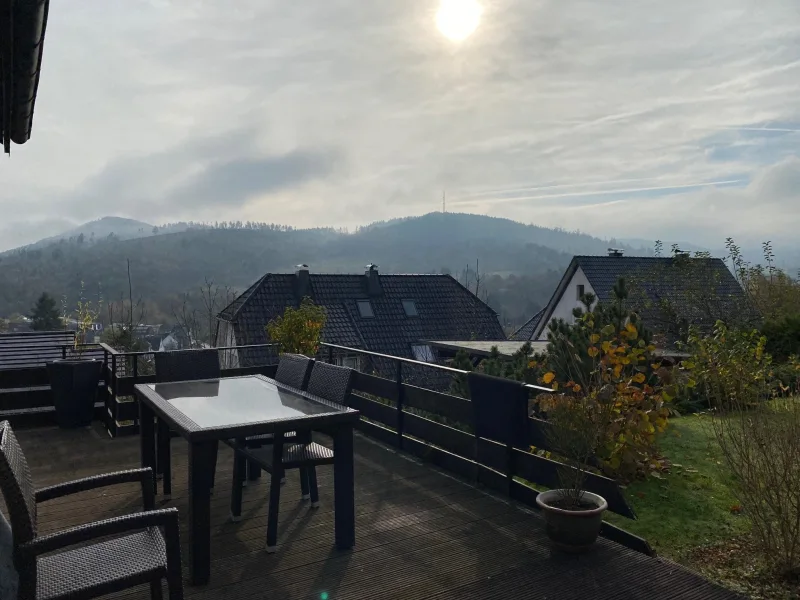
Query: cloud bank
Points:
[604, 117]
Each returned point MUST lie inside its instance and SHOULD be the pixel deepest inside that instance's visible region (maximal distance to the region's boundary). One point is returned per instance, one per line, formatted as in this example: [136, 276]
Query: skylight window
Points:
[365, 309]
[411, 308]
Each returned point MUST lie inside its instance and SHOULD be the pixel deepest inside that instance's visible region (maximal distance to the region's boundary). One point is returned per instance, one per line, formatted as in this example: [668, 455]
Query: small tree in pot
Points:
[577, 426]
[604, 414]
[74, 380]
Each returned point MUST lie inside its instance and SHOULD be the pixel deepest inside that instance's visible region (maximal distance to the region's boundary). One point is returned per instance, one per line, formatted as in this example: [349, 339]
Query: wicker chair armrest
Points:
[143, 476]
[166, 518]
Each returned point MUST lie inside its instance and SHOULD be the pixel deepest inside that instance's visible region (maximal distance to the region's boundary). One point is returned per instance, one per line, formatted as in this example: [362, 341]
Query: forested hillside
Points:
[517, 265]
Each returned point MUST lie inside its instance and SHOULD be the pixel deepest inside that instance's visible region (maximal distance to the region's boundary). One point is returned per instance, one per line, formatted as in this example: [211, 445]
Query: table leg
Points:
[147, 439]
[344, 487]
[164, 458]
[201, 461]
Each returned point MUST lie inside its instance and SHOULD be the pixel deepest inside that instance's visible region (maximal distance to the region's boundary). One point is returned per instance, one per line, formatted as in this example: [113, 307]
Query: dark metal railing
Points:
[332, 348]
[437, 427]
[432, 424]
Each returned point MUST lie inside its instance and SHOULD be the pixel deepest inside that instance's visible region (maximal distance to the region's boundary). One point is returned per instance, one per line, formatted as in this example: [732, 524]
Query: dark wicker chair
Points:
[180, 365]
[187, 365]
[328, 382]
[293, 370]
[49, 569]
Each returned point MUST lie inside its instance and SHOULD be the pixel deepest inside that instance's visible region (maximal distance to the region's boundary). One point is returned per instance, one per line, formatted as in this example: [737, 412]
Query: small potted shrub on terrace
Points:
[74, 380]
[604, 413]
[577, 427]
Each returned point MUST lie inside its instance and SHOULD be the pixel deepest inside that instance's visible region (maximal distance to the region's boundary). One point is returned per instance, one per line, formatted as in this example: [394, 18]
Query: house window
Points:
[411, 308]
[351, 362]
[365, 309]
[580, 291]
[423, 353]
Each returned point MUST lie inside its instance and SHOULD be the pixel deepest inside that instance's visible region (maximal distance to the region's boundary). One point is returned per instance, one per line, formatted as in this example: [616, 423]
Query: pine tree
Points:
[568, 343]
[45, 315]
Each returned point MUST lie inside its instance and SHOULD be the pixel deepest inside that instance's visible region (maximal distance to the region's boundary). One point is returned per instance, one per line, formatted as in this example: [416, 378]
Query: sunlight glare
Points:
[458, 19]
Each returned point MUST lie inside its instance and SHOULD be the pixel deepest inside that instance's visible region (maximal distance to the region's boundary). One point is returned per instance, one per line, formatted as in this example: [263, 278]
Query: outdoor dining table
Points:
[207, 411]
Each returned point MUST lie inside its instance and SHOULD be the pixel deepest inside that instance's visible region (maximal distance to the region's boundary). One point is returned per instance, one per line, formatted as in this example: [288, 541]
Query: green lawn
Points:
[693, 504]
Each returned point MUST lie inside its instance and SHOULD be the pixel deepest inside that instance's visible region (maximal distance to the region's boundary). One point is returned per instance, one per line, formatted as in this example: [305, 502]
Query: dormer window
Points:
[365, 309]
[410, 308]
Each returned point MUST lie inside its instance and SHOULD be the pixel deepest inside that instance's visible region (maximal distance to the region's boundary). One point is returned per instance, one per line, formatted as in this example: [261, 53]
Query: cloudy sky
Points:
[637, 118]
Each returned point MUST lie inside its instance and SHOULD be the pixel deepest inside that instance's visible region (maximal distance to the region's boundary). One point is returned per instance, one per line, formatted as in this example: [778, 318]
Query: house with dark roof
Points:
[386, 314]
[669, 293]
[525, 333]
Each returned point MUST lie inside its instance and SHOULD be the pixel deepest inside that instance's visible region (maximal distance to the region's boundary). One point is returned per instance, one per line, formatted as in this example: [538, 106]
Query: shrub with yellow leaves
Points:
[614, 386]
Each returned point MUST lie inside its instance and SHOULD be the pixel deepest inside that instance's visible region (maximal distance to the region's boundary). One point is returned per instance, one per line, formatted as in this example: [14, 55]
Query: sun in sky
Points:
[458, 19]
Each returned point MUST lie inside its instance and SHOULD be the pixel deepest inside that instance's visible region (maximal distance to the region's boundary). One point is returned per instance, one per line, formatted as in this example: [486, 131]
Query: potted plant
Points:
[74, 380]
[604, 413]
[576, 428]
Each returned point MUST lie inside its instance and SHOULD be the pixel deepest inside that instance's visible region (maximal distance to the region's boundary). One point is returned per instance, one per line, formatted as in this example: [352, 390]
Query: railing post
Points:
[135, 367]
[114, 377]
[401, 391]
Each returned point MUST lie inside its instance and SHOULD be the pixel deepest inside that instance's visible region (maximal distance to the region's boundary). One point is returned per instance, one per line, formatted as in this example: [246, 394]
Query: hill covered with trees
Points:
[513, 266]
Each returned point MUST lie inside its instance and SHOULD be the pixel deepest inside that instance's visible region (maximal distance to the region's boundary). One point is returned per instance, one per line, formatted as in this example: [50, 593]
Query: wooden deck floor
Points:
[420, 534]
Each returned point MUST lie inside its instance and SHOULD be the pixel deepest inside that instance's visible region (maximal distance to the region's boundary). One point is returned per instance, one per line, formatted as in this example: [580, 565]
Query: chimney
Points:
[373, 280]
[615, 252]
[302, 283]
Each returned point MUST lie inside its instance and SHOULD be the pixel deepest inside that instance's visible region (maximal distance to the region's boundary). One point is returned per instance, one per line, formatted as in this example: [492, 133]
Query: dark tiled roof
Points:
[446, 310]
[525, 333]
[651, 281]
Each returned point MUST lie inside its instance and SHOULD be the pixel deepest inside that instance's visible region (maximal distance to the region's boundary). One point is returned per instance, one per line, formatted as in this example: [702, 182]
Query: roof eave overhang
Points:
[23, 42]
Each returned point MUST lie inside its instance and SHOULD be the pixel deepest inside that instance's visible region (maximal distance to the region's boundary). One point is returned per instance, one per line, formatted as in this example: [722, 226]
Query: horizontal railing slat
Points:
[441, 458]
[23, 377]
[451, 439]
[377, 431]
[452, 407]
[377, 386]
[375, 411]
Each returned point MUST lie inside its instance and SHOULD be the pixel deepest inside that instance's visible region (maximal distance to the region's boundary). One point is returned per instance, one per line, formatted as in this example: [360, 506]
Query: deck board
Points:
[420, 534]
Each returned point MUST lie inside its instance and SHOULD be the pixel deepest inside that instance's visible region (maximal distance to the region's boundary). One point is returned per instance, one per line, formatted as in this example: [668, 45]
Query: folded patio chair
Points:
[328, 382]
[180, 365]
[50, 567]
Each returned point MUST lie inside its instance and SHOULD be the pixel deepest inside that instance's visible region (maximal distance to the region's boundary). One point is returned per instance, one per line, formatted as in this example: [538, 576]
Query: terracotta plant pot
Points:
[572, 530]
[74, 384]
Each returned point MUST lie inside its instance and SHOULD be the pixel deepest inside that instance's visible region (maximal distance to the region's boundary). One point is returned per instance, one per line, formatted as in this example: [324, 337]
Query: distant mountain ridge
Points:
[520, 264]
[120, 227]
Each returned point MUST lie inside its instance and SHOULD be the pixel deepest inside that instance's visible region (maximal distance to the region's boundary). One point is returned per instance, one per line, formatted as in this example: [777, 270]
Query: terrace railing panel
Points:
[437, 427]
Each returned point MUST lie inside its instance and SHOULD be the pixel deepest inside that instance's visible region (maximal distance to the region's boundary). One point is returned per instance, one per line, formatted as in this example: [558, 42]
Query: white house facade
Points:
[570, 299]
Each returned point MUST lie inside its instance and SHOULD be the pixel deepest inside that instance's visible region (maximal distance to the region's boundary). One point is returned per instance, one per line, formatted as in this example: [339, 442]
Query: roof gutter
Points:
[29, 23]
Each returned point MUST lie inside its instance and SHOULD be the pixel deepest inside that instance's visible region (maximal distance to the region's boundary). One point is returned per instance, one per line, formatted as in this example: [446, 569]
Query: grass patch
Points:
[692, 505]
